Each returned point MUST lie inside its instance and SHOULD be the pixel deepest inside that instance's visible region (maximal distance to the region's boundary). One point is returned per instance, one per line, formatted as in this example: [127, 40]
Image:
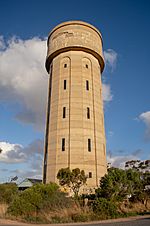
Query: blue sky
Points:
[24, 26]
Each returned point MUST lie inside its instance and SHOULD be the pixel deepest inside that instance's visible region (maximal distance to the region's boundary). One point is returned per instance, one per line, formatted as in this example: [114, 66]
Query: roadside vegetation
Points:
[121, 193]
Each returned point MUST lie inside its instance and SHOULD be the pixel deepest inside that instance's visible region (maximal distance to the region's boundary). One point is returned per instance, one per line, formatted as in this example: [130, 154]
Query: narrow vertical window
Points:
[88, 113]
[89, 145]
[104, 149]
[45, 159]
[65, 84]
[63, 144]
[87, 85]
[64, 112]
[90, 174]
[86, 65]
[65, 65]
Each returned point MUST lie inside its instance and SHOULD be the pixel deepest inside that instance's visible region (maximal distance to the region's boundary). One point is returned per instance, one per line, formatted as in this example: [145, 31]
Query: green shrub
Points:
[7, 192]
[25, 203]
[58, 201]
[39, 198]
[104, 208]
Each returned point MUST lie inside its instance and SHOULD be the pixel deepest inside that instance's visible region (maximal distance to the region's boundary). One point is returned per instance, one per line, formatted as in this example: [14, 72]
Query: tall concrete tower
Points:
[75, 136]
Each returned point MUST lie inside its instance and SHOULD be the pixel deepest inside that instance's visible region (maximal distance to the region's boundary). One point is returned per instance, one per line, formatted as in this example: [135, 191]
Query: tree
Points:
[113, 185]
[119, 184]
[144, 194]
[146, 178]
[138, 165]
[73, 179]
[134, 181]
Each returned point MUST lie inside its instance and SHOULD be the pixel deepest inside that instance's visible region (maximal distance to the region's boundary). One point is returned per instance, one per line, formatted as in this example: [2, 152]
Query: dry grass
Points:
[3, 210]
[73, 214]
[66, 214]
[137, 207]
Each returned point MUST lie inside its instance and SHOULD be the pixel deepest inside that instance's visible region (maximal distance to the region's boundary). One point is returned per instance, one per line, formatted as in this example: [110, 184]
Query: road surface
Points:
[137, 221]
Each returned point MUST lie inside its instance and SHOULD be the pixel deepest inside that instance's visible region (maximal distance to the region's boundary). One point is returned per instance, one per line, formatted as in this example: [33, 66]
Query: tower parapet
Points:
[74, 35]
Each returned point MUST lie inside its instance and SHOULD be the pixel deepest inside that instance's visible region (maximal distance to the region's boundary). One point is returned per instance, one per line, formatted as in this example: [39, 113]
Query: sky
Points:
[24, 27]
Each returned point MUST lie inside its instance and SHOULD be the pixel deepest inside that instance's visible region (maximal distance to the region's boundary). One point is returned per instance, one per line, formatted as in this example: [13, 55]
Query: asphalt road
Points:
[139, 222]
[136, 222]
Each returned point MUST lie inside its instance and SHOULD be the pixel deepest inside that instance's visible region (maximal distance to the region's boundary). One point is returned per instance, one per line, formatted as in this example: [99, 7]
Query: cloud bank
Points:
[119, 160]
[30, 157]
[24, 80]
[11, 153]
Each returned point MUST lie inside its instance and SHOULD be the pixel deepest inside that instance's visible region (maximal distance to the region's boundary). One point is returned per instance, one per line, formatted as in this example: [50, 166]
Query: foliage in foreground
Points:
[105, 208]
[37, 199]
[118, 184]
[121, 193]
[121, 188]
[7, 192]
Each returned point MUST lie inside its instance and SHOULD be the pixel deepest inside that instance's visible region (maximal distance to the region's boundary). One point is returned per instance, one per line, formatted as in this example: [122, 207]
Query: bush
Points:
[25, 203]
[37, 199]
[104, 208]
[7, 192]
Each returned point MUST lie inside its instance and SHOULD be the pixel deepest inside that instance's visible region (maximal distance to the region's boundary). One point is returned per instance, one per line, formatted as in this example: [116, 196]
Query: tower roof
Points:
[74, 36]
[75, 22]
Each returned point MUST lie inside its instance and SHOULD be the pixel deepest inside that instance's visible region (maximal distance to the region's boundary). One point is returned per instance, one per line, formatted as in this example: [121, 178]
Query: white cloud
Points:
[23, 78]
[7, 148]
[15, 153]
[106, 92]
[30, 157]
[110, 58]
[145, 117]
[119, 161]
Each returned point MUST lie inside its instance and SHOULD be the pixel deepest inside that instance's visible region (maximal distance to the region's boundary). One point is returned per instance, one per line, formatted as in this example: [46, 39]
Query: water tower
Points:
[75, 135]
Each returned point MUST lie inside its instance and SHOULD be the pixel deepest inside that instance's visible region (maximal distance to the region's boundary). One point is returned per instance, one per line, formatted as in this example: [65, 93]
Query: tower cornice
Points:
[75, 36]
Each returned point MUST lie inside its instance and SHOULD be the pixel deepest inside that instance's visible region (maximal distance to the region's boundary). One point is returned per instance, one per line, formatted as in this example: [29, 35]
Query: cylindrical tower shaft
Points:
[75, 134]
